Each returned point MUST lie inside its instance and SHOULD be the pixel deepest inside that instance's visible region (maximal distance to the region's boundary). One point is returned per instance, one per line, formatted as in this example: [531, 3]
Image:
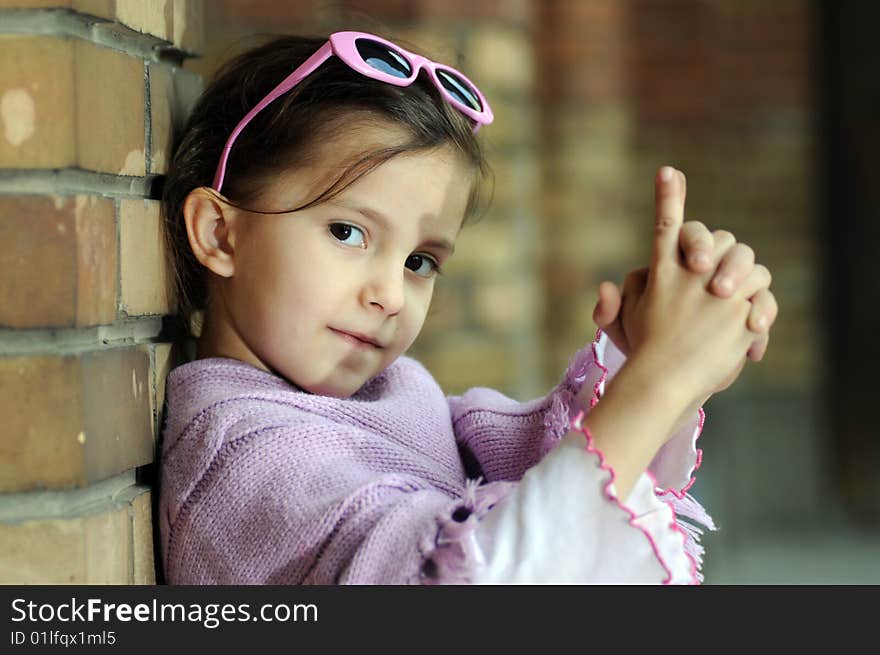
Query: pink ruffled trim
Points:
[558, 421]
[681, 493]
[688, 507]
[695, 575]
[678, 493]
[455, 555]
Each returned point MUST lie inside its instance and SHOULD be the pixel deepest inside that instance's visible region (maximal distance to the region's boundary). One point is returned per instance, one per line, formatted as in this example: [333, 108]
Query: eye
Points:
[417, 264]
[344, 232]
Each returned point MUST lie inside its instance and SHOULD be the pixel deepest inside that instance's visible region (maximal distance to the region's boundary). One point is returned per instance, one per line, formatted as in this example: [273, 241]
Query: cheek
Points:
[418, 305]
[281, 290]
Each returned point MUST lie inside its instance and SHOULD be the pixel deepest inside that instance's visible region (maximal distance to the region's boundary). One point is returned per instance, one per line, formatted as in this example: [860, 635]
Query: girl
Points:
[319, 187]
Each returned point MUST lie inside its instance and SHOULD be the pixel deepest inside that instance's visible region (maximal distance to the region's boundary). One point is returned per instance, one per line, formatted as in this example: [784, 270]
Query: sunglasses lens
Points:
[382, 58]
[460, 90]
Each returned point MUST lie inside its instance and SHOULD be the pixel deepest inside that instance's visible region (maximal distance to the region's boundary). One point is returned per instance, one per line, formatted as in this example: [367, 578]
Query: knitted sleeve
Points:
[501, 438]
[277, 508]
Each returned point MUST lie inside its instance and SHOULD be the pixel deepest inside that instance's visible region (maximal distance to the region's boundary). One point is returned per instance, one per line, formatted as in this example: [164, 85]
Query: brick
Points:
[77, 234]
[108, 547]
[271, 12]
[33, 4]
[36, 92]
[188, 30]
[485, 10]
[431, 43]
[58, 111]
[153, 17]
[459, 362]
[489, 46]
[93, 549]
[515, 125]
[515, 182]
[142, 540]
[70, 420]
[484, 247]
[110, 110]
[143, 270]
[148, 16]
[173, 92]
[506, 305]
[161, 98]
[96, 261]
[177, 21]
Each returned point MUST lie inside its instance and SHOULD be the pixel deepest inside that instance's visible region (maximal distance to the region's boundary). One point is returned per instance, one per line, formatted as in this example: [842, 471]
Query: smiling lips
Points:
[360, 340]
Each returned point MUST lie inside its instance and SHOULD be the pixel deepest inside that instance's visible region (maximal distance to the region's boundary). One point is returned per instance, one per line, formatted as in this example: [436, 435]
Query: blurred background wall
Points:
[768, 107]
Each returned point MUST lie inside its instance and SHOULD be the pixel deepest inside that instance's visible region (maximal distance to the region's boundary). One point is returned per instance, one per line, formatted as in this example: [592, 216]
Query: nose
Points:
[384, 289]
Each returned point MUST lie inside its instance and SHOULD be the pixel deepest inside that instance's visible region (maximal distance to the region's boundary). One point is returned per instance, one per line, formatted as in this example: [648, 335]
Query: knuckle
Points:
[746, 251]
[664, 223]
[724, 237]
[764, 272]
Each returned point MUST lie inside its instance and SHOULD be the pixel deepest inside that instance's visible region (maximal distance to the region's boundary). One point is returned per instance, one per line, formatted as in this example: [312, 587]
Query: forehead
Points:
[433, 183]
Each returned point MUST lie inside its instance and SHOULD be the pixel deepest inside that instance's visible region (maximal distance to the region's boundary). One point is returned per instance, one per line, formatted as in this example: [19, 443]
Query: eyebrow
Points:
[381, 219]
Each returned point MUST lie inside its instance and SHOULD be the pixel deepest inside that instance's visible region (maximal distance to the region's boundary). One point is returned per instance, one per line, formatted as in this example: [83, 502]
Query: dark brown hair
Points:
[287, 132]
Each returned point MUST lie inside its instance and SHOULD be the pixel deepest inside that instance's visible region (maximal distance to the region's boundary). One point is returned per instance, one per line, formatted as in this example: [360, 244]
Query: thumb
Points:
[607, 315]
[608, 304]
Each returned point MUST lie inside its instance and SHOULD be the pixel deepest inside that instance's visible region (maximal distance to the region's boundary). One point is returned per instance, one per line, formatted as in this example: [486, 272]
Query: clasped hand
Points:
[725, 270]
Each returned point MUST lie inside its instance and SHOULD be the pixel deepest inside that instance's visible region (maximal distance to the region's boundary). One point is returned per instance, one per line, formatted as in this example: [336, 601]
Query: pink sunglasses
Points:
[381, 60]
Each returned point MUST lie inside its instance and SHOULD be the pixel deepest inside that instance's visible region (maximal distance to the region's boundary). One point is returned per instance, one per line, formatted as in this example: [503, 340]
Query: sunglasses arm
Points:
[307, 68]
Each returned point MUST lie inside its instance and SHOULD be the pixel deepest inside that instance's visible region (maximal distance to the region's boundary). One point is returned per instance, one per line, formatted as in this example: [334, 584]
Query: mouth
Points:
[357, 339]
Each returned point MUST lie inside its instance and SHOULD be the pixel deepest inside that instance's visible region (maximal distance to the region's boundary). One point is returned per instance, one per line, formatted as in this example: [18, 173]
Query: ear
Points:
[210, 226]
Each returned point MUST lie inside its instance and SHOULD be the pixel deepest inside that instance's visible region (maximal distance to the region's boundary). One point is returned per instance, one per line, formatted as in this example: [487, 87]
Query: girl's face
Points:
[302, 285]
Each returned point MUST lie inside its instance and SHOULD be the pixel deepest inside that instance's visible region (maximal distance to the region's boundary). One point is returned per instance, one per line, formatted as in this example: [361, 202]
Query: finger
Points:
[608, 304]
[735, 266]
[669, 196]
[697, 246]
[724, 240]
[633, 288]
[759, 348]
[758, 279]
[608, 318]
[763, 312]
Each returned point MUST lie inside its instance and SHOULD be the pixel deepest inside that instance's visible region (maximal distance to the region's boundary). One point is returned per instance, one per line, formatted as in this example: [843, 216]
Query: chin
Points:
[333, 390]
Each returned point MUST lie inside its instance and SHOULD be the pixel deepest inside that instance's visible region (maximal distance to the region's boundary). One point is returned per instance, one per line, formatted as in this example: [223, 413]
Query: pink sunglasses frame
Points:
[342, 44]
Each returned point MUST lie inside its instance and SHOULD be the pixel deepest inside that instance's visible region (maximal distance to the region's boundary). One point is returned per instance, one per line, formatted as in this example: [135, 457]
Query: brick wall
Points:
[89, 91]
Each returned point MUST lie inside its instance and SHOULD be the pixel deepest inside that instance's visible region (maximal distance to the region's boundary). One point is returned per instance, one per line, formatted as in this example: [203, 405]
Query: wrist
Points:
[633, 420]
[654, 384]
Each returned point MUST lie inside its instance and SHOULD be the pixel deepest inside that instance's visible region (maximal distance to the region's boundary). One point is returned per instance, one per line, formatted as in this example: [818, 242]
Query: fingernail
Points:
[666, 173]
[723, 283]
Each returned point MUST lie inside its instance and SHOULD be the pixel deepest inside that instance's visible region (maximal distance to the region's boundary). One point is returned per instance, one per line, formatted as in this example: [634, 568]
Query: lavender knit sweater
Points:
[263, 483]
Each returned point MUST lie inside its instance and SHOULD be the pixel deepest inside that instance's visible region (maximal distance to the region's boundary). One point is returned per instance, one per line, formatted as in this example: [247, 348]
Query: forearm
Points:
[632, 421]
